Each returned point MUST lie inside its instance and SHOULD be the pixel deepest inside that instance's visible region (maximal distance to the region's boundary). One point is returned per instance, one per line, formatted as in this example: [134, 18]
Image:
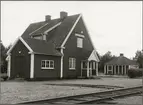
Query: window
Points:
[72, 63]
[80, 42]
[40, 37]
[44, 37]
[47, 64]
[84, 64]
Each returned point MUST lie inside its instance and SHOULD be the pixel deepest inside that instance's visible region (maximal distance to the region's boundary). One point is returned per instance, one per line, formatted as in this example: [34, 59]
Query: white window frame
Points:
[39, 37]
[79, 42]
[72, 62]
[49, 61]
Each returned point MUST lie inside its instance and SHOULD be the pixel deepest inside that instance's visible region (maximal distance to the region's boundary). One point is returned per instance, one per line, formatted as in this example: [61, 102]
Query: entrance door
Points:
[84, 65]
[20, 63]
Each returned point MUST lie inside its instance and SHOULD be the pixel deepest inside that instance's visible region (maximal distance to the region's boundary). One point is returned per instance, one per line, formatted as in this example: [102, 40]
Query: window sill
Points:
[72, 69]
[47, 68]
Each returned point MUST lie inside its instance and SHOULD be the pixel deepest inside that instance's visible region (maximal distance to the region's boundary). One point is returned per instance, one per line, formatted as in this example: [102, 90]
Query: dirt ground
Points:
[121, 82]
[17, 92]
[132, 100]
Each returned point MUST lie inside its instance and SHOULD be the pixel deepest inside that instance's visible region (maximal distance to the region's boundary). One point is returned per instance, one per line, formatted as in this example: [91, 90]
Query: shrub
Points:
[132, 73]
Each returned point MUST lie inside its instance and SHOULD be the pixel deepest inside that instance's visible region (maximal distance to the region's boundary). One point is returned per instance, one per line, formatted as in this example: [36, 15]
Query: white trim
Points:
[79, 35]
[61, 73]
[93, 56]
[9, 64]
[96, 68]
[38, 28]
[70, 31]
[87, 69]
[12, 45]
[52, 28]
[87, 32]
[21, 39]
[104, 69]
[45, 68]
[26, 44]
[32, 66]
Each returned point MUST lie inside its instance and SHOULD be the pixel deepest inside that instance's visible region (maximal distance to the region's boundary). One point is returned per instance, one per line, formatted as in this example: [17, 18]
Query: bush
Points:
[4, 76]
[132, 73]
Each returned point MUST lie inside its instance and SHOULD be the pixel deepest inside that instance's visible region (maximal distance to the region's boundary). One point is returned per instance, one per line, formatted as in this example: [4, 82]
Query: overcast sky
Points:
[113, 26]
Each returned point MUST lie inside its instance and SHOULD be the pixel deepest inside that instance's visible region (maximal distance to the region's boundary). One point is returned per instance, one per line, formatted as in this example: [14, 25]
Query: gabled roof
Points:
[121, 60]
[42, 47]
[60, 33]
[32, 27]
[46, 26]
[36, 46]
[62, 28]
[93, 56]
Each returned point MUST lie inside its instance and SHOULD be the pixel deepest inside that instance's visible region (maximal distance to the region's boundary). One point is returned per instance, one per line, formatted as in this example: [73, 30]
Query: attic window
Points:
[80, 42]
[40, 37]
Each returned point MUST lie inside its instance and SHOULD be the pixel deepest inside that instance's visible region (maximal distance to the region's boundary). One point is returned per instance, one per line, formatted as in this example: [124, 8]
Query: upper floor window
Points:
[80, 42]
[47, 64]
[72, 63]
[40, 37]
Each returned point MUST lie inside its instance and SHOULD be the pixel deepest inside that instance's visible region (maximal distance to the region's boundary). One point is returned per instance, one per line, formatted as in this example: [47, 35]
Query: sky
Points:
[114, 26]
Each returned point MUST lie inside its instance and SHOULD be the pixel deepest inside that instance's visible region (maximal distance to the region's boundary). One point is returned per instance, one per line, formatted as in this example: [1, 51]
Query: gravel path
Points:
[18, 92]
[121, 82]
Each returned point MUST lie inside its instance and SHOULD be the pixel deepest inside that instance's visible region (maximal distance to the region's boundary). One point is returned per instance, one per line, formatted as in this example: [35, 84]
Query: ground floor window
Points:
[72, 63]
[47, 64]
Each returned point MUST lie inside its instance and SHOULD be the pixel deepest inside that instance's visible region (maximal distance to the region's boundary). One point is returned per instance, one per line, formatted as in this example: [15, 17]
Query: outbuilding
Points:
[119, 65]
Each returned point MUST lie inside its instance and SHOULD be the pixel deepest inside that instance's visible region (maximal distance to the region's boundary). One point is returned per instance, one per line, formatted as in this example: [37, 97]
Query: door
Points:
[84, 68]
[20, 63]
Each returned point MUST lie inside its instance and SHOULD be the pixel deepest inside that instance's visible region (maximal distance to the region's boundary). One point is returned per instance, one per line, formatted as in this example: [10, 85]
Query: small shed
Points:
[119, 65]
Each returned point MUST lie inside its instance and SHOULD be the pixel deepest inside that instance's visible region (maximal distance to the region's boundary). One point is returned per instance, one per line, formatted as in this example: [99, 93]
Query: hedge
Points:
[132, 73]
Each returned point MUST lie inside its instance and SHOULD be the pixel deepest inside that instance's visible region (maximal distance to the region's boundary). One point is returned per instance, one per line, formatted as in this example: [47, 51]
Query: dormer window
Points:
[79, 40]
[40, 37]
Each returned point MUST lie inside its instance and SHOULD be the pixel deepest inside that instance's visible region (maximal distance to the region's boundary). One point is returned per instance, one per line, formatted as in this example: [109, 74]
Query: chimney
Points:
[63, 14]
[47, 18]
[121, 54]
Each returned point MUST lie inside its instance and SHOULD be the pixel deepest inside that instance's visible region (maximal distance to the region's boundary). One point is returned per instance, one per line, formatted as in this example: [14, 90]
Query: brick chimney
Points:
[63, 14]
[47, 18]
[121, 54]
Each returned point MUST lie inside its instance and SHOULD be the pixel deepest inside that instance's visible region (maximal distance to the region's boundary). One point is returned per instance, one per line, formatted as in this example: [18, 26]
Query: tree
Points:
[3, 62]
[139, 58]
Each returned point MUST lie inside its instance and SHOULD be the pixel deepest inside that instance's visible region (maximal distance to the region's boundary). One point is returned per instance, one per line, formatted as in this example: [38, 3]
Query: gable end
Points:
[21, 39]
[70, 31]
